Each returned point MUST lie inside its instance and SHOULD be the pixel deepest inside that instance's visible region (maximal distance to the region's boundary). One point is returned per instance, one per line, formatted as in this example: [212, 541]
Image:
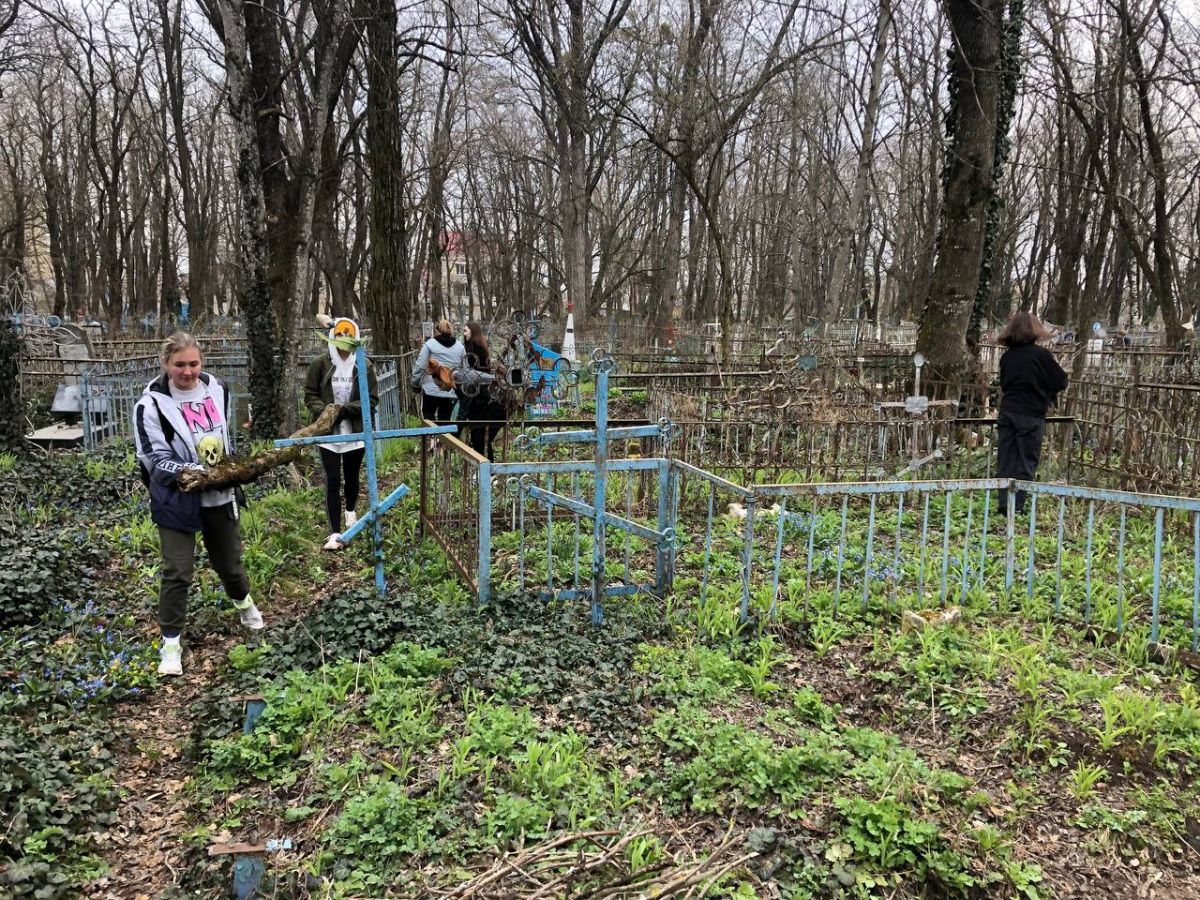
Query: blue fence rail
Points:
[1117, 559]
[1120, 560]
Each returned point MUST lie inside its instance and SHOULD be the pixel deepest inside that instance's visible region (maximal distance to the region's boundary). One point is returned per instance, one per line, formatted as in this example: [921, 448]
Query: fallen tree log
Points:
[235, 470]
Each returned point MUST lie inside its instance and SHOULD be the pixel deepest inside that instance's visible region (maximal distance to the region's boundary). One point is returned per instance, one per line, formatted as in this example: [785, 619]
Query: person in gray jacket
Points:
[182, 422]
[433, 374]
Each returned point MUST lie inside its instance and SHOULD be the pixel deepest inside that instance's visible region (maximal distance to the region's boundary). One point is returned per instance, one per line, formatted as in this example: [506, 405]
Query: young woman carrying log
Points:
[181, 424]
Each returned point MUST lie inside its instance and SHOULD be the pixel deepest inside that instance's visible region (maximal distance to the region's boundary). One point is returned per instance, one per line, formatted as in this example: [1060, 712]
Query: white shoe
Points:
[170, 659]
[351, 518]
[251, 617]
[334, 542]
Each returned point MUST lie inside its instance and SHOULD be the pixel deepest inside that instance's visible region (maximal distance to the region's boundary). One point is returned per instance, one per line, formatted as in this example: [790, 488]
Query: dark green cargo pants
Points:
[223, 541]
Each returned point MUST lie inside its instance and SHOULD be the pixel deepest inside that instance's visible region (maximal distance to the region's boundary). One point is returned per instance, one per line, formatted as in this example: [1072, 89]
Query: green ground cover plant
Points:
[419, 742]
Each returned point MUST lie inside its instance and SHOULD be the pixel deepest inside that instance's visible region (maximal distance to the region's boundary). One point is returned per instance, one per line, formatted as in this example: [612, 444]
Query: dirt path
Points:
[145, 847]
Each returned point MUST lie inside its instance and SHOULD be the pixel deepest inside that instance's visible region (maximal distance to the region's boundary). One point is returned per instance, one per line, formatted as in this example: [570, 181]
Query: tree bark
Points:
[236, 470]
[1162, 276]
[388, 302]
[265, 370]
[975, 83]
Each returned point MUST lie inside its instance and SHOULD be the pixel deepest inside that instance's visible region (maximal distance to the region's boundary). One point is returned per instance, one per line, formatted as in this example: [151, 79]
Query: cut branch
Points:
[242, 470]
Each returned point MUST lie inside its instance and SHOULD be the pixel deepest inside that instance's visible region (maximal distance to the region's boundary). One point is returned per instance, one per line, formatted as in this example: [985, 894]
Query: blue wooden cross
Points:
[376, 507]
[602, 366]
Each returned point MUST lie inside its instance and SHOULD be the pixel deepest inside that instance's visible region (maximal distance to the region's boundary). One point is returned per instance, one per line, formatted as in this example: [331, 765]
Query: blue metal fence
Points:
[1116, 559]
[107, 396]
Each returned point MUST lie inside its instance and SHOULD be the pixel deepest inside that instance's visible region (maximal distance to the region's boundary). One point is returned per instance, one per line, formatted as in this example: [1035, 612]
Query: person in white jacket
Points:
[440, 357]
[182, 421]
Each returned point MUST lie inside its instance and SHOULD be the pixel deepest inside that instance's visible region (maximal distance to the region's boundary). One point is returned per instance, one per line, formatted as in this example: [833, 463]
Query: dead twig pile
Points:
[598, 865]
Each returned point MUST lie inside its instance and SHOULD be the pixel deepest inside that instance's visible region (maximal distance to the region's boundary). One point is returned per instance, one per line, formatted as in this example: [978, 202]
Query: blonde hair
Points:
[180, 340]
[443, 327]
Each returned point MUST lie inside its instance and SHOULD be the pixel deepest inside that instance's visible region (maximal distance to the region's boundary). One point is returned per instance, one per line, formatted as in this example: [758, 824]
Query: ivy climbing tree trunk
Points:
[387, 300]
[253, 244]
[12, 416]
[975, 27]
[1010, 77]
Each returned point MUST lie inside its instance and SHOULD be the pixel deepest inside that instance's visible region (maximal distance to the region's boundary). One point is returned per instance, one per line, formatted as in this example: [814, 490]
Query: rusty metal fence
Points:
[455, 506]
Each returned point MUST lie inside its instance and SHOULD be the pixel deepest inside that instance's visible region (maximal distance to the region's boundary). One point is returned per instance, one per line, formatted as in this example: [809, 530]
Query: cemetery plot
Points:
[800, 719]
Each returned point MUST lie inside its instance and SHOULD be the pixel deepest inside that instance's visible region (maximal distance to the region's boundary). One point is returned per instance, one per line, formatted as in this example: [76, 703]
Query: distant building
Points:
[456, 279]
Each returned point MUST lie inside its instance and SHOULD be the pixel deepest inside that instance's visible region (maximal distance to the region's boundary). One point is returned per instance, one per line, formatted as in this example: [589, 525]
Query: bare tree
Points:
[975, 90]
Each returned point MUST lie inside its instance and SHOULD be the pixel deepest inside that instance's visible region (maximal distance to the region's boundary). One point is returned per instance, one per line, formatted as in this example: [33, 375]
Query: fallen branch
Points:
[235, 470]
[602, 871]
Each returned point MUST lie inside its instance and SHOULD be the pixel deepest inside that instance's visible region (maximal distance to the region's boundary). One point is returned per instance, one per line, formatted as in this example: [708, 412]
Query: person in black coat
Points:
[479, 403]
[1030, 381]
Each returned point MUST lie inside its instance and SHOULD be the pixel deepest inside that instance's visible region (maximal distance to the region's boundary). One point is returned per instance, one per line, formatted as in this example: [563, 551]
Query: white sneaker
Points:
[334, 542]
[251, 617]
[170, 659]
[351, 518]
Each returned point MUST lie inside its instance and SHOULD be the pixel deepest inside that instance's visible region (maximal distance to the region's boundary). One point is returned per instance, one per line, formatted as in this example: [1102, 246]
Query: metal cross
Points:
[917, 406]
[376, 507]
[601, 366]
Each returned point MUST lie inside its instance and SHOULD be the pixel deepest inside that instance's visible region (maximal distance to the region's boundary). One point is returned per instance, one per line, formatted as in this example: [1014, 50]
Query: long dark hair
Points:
[1023, 328]
[477, 346]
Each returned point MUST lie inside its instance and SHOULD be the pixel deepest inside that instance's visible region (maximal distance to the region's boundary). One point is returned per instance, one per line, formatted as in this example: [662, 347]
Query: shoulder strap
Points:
[168, 429]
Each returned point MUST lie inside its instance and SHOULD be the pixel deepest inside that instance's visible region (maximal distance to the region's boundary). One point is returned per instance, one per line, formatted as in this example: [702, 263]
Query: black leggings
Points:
[337, 464]
[482, 437]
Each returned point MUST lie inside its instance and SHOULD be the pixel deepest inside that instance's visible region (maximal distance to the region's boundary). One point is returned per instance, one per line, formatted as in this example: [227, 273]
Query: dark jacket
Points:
[1030, 380]
[318, 391]
[164, 448]
[475, 377]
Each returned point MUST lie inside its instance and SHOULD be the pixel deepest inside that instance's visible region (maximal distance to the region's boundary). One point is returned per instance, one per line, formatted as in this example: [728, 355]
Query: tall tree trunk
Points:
[1010, 73]
[1162, 276]
[436, 237]
[866, 153]
[256, 301]
[200, 282]
[975, 89]
[388, 302]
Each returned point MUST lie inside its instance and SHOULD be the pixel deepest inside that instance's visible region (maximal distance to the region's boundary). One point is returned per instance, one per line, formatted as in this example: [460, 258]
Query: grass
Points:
[411, 742]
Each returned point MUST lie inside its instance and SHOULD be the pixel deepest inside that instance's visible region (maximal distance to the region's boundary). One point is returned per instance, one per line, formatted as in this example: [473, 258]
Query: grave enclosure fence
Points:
[109, 392]
[1118, 560]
